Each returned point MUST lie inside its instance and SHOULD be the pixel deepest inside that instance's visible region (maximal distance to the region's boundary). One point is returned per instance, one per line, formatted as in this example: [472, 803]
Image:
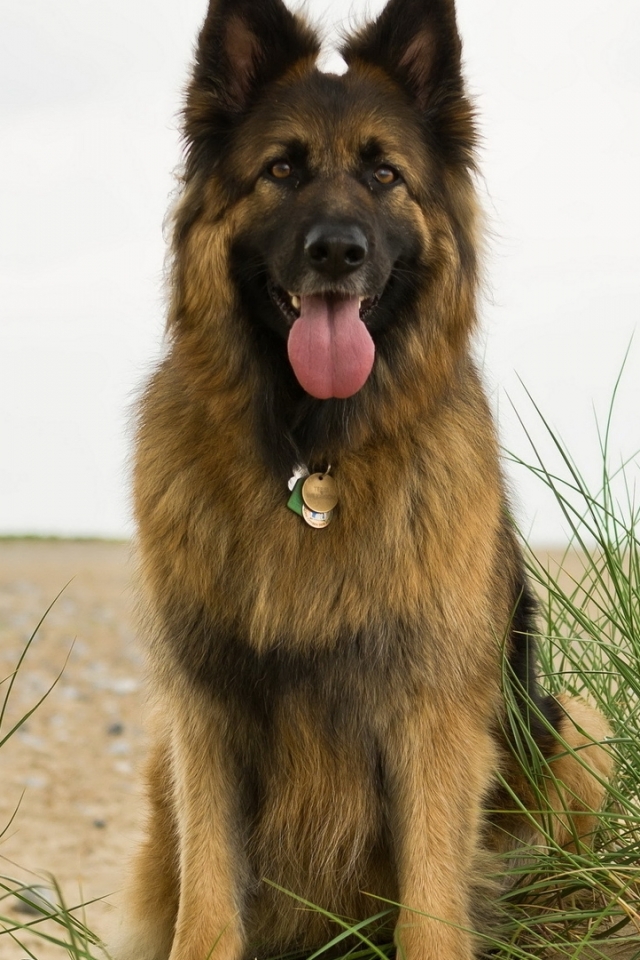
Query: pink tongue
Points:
[330, 349]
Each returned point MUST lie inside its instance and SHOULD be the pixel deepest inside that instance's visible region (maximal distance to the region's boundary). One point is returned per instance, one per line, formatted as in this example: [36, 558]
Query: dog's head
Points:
[340, 207]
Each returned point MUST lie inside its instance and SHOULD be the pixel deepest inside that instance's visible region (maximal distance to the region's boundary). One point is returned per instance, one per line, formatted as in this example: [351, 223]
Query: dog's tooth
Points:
[360, 299]
[295, 301]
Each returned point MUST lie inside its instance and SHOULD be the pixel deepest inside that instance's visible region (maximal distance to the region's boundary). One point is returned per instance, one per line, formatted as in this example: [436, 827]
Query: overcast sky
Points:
[89, 98]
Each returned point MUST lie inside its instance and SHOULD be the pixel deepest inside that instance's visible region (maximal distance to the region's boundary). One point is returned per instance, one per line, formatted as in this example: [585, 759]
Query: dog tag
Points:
[298, 471]
[295, 501]
[316, 518]
[320, 493]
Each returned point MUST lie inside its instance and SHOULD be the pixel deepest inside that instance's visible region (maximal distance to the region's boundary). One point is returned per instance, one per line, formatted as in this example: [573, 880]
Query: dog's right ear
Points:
[243, 45]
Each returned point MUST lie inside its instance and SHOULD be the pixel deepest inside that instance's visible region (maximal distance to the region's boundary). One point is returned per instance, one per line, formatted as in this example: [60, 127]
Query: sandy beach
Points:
[71, 768]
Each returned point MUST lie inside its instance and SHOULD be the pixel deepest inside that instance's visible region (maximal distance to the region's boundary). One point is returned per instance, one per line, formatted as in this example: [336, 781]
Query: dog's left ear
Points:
[242, 47]
[417, 43]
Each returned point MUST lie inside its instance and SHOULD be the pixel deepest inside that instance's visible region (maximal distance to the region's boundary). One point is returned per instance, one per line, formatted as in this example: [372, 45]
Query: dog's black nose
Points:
[335, 249]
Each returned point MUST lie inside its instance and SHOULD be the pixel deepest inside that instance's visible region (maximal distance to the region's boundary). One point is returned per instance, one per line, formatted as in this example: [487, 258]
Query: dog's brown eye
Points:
[280, 170]
[386, 175]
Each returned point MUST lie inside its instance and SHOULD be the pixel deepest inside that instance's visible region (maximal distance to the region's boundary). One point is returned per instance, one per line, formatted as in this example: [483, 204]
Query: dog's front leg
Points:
[212, 862]
[440, 764]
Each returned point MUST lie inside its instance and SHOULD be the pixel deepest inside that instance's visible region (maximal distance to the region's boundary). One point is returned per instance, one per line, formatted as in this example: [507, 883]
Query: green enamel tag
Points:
[295, 501]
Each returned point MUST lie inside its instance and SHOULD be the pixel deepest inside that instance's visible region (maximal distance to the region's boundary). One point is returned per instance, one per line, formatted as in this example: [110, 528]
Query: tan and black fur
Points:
[329, 706]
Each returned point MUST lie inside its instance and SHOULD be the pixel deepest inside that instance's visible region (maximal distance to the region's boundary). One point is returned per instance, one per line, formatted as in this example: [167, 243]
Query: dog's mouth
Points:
[290, 304]
[329, 346]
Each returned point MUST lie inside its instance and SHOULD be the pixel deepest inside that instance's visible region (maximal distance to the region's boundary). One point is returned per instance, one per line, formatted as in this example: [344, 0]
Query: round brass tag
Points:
[320, 493]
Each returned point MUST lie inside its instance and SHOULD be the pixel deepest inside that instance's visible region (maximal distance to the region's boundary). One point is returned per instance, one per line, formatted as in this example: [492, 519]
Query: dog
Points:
[332, 583]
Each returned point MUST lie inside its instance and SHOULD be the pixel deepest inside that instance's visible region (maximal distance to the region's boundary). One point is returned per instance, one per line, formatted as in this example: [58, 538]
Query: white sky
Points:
[89, 95]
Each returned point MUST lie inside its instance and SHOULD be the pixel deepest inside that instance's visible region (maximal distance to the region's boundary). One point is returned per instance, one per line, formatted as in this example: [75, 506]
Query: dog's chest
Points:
[342, 681]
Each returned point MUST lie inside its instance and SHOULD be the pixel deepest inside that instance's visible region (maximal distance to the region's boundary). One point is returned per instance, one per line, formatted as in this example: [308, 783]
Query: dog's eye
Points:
[386, 175]
[280, 169]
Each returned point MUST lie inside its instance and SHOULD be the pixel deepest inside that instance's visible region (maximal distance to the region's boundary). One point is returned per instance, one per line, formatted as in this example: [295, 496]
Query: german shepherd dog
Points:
[331, 574]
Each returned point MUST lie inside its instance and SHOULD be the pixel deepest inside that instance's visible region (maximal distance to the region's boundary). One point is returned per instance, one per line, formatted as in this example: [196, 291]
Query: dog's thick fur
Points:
[329, 702]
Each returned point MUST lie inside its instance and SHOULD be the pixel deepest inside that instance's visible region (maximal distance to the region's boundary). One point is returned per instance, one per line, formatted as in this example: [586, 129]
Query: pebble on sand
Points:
[35, 901]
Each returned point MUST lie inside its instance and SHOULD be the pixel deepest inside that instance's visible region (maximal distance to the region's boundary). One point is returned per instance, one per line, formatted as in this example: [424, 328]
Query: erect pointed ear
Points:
[243, 45]
[417, 43]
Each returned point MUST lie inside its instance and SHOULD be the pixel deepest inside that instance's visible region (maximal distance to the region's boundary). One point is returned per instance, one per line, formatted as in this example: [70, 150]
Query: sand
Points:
[72, 766]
